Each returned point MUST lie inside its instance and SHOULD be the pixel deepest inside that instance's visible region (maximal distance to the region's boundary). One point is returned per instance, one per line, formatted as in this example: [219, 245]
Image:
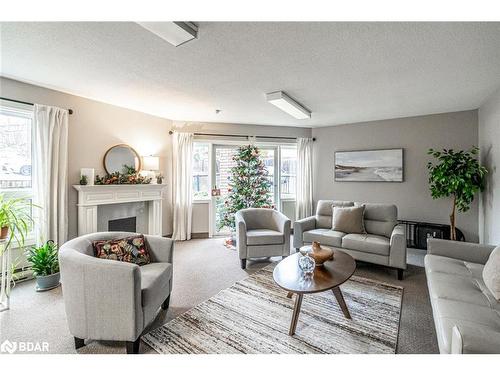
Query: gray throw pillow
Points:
[348, 219]
[491, 273]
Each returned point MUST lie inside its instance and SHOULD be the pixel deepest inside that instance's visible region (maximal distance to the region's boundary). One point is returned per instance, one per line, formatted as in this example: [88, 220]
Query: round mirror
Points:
[118, 157]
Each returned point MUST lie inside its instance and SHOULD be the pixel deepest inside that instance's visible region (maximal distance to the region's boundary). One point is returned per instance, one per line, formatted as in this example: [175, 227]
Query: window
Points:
[268, 156]
[201, 160]
[223, 164]
[288, 171]
[212, 164]
[16, 150]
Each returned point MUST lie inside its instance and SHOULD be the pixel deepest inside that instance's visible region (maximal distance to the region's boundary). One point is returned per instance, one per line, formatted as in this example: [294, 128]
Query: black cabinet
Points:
[417, 233]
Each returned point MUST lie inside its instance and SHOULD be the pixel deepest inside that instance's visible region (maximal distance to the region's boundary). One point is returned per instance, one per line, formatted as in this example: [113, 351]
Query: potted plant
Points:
[15, 219]
[45, 265]
[457, 175]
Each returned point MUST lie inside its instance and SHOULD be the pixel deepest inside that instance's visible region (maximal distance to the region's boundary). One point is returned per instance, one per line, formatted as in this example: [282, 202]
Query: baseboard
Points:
[23, 274]
[193, 235]
[199, 235]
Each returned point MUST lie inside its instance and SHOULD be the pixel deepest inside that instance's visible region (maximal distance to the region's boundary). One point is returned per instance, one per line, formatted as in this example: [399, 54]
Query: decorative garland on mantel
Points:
[129, 177]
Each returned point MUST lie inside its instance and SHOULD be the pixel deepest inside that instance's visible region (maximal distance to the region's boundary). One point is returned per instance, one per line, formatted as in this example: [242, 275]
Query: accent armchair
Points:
[262, 232]
[113, 300]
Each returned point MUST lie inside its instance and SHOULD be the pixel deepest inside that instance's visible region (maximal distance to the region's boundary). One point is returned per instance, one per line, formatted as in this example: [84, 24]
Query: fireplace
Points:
[98, 205]
[123, 217]
[127, 224]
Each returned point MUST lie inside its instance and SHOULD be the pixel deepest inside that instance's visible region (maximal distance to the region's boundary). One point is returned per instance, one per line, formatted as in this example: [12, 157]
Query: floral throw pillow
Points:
[130, 249]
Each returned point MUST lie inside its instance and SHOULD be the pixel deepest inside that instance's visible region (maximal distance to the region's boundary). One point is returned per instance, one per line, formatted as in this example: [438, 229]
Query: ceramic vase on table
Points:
[320, 254]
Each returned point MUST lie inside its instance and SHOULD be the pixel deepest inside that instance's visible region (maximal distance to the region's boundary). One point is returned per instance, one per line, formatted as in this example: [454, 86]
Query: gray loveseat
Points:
[466, 314]
[384, 243]
[112, 300]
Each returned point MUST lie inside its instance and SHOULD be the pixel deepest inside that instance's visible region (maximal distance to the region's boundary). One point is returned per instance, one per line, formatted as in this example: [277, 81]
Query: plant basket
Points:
[44, 283]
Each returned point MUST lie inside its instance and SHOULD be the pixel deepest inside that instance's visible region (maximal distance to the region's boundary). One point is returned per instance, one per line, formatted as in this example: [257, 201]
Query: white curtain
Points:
[182, 185]
[303, 203]
[50, 173]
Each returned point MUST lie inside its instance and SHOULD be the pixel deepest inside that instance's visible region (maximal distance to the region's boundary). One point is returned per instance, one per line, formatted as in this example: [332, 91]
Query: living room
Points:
[249, 188]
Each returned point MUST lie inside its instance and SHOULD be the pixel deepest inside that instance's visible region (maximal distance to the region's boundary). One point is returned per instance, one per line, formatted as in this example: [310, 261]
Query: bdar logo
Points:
[8, 347]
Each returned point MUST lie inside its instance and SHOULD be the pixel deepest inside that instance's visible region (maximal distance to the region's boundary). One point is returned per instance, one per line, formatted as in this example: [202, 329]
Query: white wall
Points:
[201, 218]
[93, 128]
[489, 143]
[416, 135]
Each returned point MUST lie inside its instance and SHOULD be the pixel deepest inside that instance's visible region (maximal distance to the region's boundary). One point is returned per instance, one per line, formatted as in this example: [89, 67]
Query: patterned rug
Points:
[253, 316]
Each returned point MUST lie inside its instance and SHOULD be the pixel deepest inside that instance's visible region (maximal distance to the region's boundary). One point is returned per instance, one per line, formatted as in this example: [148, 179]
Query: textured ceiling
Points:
[342, 72]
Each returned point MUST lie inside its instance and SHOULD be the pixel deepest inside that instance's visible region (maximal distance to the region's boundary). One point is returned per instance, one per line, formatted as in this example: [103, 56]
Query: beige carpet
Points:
[202, 268]
[253, 317]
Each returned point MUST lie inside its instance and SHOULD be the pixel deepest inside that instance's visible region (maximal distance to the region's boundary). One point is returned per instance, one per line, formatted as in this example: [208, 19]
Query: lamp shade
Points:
[150, 163]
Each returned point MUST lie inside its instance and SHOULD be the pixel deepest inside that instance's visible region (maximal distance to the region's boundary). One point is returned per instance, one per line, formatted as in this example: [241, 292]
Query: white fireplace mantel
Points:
[92, 196]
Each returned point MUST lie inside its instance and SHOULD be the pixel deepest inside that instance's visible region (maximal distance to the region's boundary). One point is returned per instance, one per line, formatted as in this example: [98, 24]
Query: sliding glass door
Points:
[222, 162]
[270, 157]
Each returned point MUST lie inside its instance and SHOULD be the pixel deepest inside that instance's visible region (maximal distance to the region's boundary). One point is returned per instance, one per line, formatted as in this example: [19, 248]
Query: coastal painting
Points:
[369, 165]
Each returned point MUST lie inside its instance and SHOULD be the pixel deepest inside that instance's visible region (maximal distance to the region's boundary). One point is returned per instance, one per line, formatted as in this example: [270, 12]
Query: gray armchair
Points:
[262, 232]
[112, 300]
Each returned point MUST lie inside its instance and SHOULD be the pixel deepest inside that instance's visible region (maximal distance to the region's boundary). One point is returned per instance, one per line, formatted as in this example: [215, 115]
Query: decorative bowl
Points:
[320, 254]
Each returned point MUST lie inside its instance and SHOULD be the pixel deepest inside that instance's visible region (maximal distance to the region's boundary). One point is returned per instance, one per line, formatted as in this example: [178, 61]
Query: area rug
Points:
[253, 316]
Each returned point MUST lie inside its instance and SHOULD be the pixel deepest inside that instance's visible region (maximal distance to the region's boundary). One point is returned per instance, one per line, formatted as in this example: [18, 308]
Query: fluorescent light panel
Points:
[288, 105]
[175, 33]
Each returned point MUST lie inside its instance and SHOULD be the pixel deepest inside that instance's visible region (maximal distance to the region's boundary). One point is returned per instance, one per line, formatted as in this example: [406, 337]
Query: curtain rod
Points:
[242, 136]
[70, 111]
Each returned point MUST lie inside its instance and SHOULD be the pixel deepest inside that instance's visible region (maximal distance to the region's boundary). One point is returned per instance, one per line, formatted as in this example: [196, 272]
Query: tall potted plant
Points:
[456, 174]
[45, 265]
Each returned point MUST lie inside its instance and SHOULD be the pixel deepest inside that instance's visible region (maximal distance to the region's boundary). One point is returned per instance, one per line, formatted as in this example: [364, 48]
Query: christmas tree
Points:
[249, 186]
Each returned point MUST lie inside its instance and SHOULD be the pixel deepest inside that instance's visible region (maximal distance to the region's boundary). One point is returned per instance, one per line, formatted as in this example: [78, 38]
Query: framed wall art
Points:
[369, 165]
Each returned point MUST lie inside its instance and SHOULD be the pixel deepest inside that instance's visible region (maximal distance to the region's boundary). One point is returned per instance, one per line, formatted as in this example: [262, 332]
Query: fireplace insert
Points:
[127, 224]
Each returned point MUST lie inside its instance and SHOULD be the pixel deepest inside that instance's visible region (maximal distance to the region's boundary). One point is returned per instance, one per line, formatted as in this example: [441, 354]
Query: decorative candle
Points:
[90, 173]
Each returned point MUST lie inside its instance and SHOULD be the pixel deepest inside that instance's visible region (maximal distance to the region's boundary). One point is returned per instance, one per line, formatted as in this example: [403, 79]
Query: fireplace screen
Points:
[127, 224]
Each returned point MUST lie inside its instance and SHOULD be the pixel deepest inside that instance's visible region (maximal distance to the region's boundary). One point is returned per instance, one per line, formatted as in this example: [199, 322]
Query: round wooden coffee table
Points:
[331, 275]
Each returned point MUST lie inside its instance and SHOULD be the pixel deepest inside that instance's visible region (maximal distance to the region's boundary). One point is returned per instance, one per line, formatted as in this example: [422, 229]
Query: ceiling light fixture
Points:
[176, 33]
[288, 105]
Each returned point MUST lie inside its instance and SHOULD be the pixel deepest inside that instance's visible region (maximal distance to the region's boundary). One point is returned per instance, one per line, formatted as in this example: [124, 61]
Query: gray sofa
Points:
[112, 300]
[466, 314]
[384, 243]
[261, 232]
